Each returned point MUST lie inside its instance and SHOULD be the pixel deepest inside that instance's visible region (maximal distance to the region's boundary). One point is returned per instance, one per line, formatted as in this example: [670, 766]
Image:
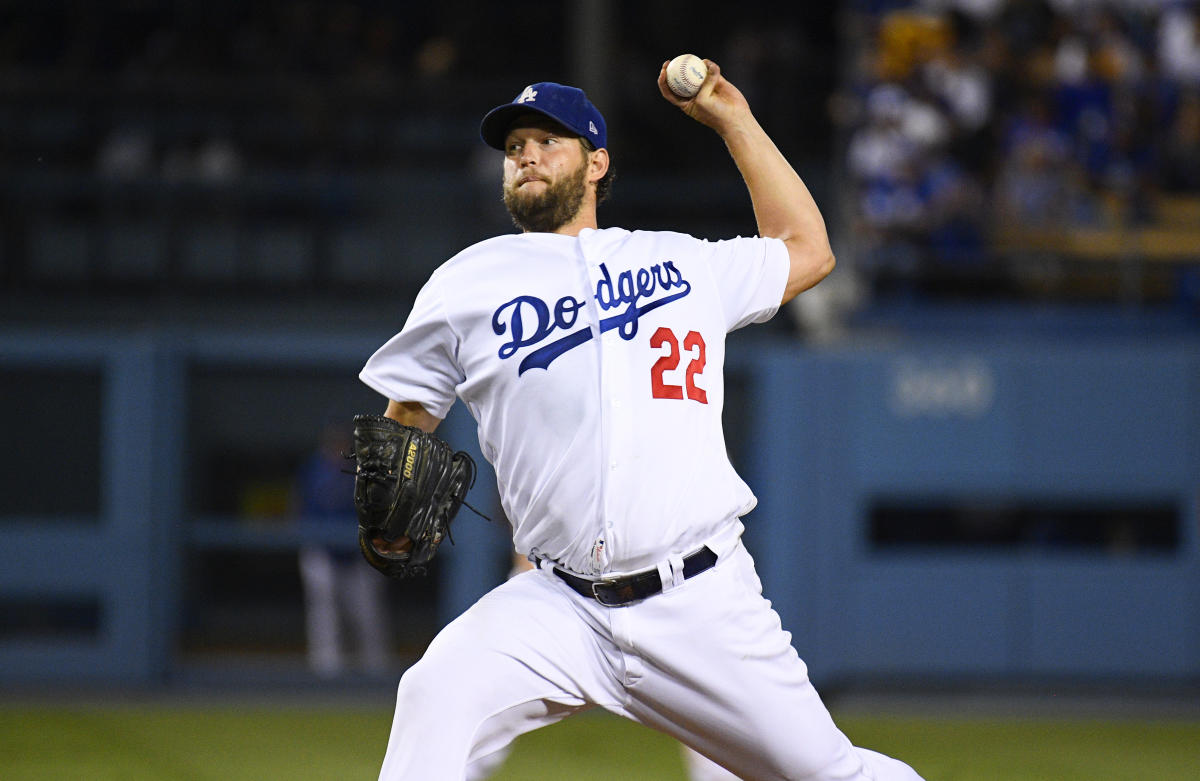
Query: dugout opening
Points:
[1115, 527]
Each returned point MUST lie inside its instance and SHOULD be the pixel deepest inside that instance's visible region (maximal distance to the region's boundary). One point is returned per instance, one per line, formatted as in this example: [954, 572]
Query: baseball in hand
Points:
[685, 74]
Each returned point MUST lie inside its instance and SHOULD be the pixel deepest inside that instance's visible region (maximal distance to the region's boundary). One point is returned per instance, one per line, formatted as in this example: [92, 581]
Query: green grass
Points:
[979, 749]
[136, 743]
[229, 743]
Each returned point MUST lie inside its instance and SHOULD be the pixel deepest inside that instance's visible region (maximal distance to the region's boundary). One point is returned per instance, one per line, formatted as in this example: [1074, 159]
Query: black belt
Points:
[614, 592]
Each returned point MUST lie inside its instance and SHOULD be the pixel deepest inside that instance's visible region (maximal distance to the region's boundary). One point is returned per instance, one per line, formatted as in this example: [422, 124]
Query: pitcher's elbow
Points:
[808, 271]
[827, 264]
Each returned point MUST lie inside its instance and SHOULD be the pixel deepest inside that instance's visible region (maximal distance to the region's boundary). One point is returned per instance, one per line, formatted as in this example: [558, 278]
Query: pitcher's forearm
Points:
[783, 206]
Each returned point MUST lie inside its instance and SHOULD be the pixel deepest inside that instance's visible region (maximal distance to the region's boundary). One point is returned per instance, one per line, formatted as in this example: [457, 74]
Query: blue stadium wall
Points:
[838, 442]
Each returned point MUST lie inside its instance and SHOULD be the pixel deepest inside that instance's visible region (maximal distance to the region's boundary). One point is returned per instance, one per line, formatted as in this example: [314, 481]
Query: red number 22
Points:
[693, 342]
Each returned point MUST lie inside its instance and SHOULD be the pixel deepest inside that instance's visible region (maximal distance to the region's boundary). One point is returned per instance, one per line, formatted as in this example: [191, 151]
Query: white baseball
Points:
[685, 74]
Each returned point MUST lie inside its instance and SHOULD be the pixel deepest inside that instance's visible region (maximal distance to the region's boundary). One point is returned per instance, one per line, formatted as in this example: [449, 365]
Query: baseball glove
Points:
[408, 483]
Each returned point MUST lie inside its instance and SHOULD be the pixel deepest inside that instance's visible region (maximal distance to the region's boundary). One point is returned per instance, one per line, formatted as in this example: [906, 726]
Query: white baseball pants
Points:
[706, 661]
[340, 596]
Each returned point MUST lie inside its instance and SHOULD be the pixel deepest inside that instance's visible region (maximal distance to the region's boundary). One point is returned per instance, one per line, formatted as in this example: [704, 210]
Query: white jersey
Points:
[594, 368]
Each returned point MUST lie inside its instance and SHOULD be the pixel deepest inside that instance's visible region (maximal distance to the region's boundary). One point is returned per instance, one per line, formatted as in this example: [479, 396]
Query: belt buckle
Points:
[612, 583]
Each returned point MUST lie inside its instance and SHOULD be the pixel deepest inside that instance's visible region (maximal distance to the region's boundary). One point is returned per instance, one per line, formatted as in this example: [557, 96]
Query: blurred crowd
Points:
[972, 124]
[370, 40]
[183, 145]
[208, 90]
[961, 133]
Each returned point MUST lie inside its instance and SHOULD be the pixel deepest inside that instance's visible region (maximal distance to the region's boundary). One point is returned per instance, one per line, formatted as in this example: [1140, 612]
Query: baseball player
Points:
[591, 360]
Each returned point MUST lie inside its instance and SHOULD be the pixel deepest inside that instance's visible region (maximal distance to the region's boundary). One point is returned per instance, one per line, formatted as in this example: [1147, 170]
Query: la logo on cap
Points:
[592, 128]
[527, 95]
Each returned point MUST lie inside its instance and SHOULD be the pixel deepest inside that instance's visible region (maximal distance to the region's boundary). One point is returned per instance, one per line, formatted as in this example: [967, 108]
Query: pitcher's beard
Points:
[553, 208]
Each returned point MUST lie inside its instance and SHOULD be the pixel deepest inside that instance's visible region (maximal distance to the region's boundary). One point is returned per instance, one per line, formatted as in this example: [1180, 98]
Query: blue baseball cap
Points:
[566, 105]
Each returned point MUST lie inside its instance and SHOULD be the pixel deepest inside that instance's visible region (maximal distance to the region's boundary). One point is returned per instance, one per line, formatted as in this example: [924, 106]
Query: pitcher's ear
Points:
[597, 164]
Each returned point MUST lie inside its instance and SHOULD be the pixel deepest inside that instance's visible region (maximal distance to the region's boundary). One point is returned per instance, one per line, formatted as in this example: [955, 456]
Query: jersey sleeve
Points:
[751, 274]
[419, 363]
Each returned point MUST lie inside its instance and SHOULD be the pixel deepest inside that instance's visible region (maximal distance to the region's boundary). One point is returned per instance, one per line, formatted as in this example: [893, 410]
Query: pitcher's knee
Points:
[423, 690]
[421, 687]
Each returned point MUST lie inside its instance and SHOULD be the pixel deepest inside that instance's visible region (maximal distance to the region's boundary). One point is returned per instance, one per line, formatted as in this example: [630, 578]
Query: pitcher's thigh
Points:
[738, 692]
[760, 727]
[512, 663]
